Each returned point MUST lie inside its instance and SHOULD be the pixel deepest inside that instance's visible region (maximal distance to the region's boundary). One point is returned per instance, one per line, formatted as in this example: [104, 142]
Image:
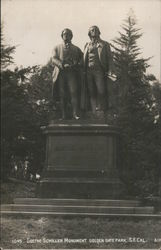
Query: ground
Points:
[14, 188]
[19, 231]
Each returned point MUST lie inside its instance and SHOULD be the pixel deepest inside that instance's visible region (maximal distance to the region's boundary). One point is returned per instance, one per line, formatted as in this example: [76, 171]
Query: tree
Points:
[6, 53]
[156, 134]
[17, 119]
[25, 105]
[136, 111]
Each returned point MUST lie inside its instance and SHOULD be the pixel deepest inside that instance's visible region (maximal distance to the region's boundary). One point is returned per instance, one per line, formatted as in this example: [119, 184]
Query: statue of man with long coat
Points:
[67, 60]
[98, 66]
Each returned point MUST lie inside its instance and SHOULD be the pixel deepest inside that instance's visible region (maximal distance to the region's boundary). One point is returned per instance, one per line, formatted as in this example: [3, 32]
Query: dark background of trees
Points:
[139, 99]
[26, 102]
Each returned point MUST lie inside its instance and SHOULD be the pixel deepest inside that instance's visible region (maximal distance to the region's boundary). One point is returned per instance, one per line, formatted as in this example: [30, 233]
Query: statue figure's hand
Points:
[67, 66]
[71, 66]
[110, 75]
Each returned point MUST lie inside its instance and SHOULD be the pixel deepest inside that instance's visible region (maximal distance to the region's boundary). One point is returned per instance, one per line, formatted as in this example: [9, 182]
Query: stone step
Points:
[77, 209]
[78, 202]
[93, 215]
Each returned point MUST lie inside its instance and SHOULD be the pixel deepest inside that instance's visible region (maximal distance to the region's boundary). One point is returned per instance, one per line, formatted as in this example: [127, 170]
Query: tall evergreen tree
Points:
[6, 53]
[17, 119]
[135, 109]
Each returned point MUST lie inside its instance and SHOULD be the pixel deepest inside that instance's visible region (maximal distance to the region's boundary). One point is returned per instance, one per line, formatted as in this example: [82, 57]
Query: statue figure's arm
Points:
[55, 59]
[85, 58]
[109, 58]
[80, 58]
[111, 68]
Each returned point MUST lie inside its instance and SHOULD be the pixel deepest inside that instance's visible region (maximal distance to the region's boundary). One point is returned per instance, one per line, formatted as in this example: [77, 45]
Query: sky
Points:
[34, 26]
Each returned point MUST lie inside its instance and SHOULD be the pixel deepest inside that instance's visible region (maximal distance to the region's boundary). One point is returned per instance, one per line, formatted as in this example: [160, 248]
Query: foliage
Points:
[136, 112]
[18, 126]
[40, 92]
[21, 134]
[6, 54]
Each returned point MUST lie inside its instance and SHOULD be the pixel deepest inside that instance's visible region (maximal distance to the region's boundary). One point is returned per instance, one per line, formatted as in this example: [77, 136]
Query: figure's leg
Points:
[101, 90]
[92, 94]
[73, 89]
[61, 84]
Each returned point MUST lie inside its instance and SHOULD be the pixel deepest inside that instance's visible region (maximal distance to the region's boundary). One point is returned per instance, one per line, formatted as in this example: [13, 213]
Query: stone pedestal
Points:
[81, 162]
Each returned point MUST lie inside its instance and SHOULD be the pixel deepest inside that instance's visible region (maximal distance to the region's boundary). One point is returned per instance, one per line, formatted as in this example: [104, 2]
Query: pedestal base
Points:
[80, 188]
[81, 162]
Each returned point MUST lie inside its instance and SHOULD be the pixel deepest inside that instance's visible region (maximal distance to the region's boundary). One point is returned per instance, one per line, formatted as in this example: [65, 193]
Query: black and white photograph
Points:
[80, 124]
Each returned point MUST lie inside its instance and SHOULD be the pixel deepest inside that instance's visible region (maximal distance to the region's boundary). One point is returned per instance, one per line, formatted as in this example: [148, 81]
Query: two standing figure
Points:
[69, 63]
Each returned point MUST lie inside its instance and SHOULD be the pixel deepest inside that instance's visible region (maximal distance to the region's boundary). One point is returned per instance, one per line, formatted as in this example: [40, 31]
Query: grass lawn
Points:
[51, 232]
[24, 231]
[16, 189]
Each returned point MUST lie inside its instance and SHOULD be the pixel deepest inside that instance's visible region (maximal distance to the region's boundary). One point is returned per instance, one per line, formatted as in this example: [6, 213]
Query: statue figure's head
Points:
[67, 35]
[94, 32]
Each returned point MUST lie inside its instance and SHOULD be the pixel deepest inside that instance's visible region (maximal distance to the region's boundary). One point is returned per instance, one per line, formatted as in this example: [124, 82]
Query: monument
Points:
[81, 172]
[81, 149]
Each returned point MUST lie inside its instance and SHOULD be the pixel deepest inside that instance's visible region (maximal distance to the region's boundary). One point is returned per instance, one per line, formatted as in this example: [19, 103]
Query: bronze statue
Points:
[98, 65]
[67, 58]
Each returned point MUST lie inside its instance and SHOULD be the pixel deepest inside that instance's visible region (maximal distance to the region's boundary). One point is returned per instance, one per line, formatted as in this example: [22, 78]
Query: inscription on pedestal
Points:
[81, 152]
